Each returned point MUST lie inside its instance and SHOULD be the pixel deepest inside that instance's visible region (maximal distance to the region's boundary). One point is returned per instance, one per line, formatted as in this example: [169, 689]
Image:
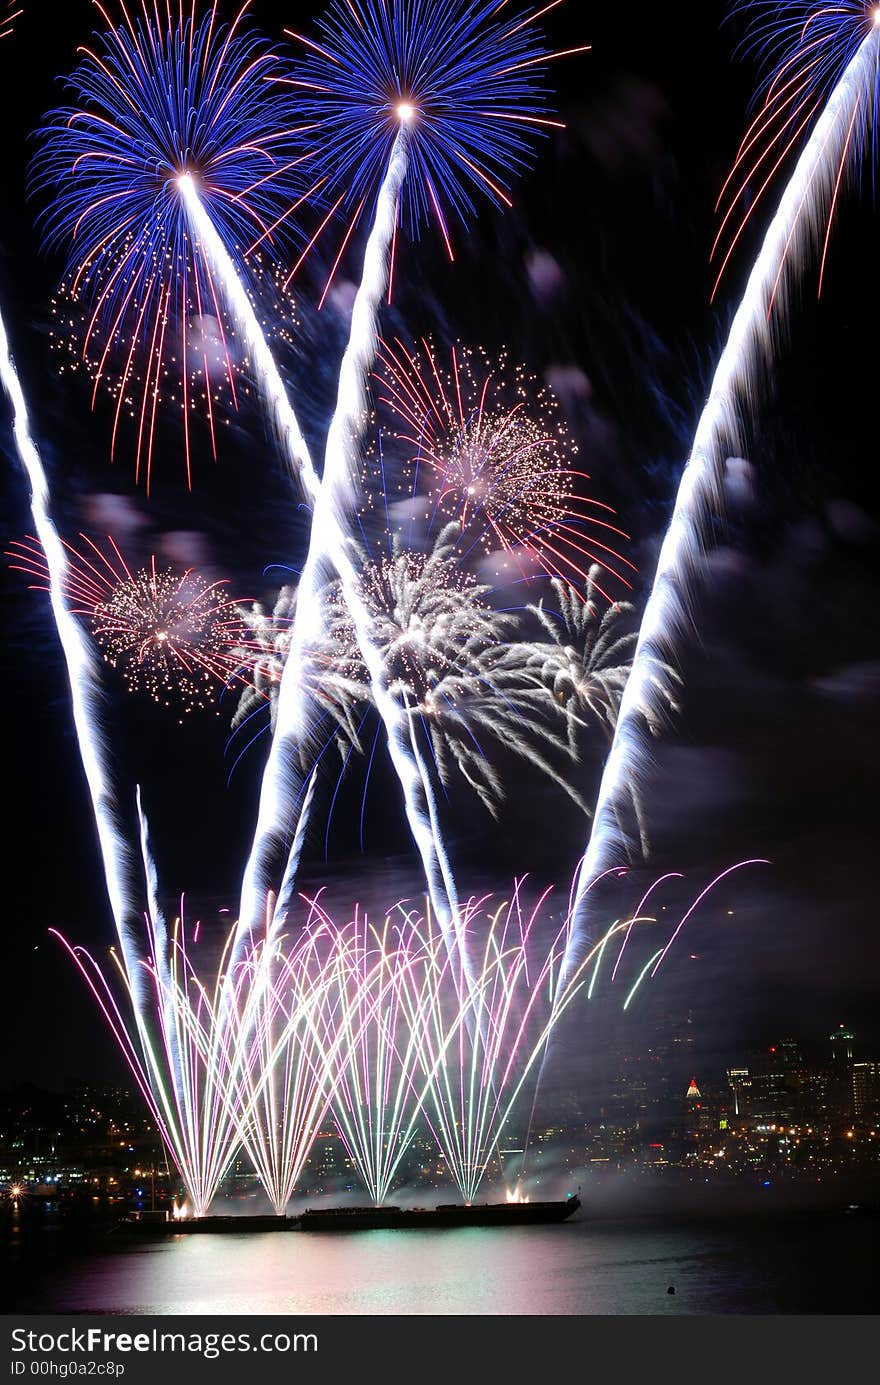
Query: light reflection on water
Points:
[780, 1265]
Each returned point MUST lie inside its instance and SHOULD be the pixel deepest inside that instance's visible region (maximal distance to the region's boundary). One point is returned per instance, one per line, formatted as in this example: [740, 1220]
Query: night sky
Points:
[599, 280]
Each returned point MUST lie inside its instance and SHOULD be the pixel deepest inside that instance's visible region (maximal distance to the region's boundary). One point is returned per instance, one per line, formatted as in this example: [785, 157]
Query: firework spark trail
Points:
[378, 1094]
[444, 93]
[10, 12]
[310, 1029]
[288, 883]
[279, 792]
[749, 345]
[130, 1048]
[283, 1089]
[329, 553]
[169, 632]
[222, 1037]
[333, 511]
[489, 445]
[478, 1052]
[159, 96]
[159, 943]
[242, 310]
[186, 1096]
[182, 1070]
[83, 674]
[332, 501]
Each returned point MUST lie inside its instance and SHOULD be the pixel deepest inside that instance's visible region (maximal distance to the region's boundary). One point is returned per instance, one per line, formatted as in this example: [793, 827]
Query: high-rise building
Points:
[815, 1106]
[865, 1078]
[697, 1114]
[740, 1083]
[774, 1084]
[842, 1043]
[777, 1087]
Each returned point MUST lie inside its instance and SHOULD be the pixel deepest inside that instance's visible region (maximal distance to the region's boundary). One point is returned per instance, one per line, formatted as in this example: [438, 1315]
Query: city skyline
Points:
[771, 1111]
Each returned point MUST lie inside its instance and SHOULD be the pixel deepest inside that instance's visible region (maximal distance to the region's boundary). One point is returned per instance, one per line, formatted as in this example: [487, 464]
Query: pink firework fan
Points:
[168, 631]
[489, 450]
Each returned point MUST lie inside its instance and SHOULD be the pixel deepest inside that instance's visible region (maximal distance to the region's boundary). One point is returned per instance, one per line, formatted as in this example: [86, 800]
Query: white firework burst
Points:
[585, 664]
[586, 661]
[450, 663]
[263, 655]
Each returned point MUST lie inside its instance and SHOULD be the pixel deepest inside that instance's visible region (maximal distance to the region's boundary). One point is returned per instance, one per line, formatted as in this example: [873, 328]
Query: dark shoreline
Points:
[613, 1196]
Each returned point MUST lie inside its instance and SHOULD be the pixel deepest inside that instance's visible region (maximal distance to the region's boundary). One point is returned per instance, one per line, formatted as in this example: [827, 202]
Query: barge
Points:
[386, 1218]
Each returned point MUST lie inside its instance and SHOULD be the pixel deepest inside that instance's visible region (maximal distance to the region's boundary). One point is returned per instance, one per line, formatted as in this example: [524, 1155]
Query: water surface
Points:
[814, 1262]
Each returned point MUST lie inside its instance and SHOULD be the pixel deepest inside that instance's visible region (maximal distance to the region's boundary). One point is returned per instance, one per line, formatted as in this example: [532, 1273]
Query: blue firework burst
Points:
[805, 38]
[466, 77]
[804, 47]
[156, 97]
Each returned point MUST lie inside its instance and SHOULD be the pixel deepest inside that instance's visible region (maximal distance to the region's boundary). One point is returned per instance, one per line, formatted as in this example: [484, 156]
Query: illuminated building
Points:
[866, 1092]
[842, 1043]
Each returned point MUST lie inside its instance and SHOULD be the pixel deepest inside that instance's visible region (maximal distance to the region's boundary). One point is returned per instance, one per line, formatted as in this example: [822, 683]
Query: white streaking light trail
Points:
[332, 519]
[83, 670]
[810, 191]
[280, 787]
[332, 500]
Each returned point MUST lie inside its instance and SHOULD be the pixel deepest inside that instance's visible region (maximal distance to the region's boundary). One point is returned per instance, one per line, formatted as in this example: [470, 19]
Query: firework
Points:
[262, 656]
[585, 665]
[805, 49]
[463, 81]
[185, 1097]
[247, 1060]
[448, 659]
[449, 665]
[811, 191]
[294, 1026]
[83, 672]
[584, 662]
[380, 1027]
[170, 633]
[219, 367]
[491, 452]
[481, 1045]
[473, 1035]
[10, 11]
[157, 99]
[203, 1067]
[377, 1087]
[429, 617]
[388, 164]
[478, 1042]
